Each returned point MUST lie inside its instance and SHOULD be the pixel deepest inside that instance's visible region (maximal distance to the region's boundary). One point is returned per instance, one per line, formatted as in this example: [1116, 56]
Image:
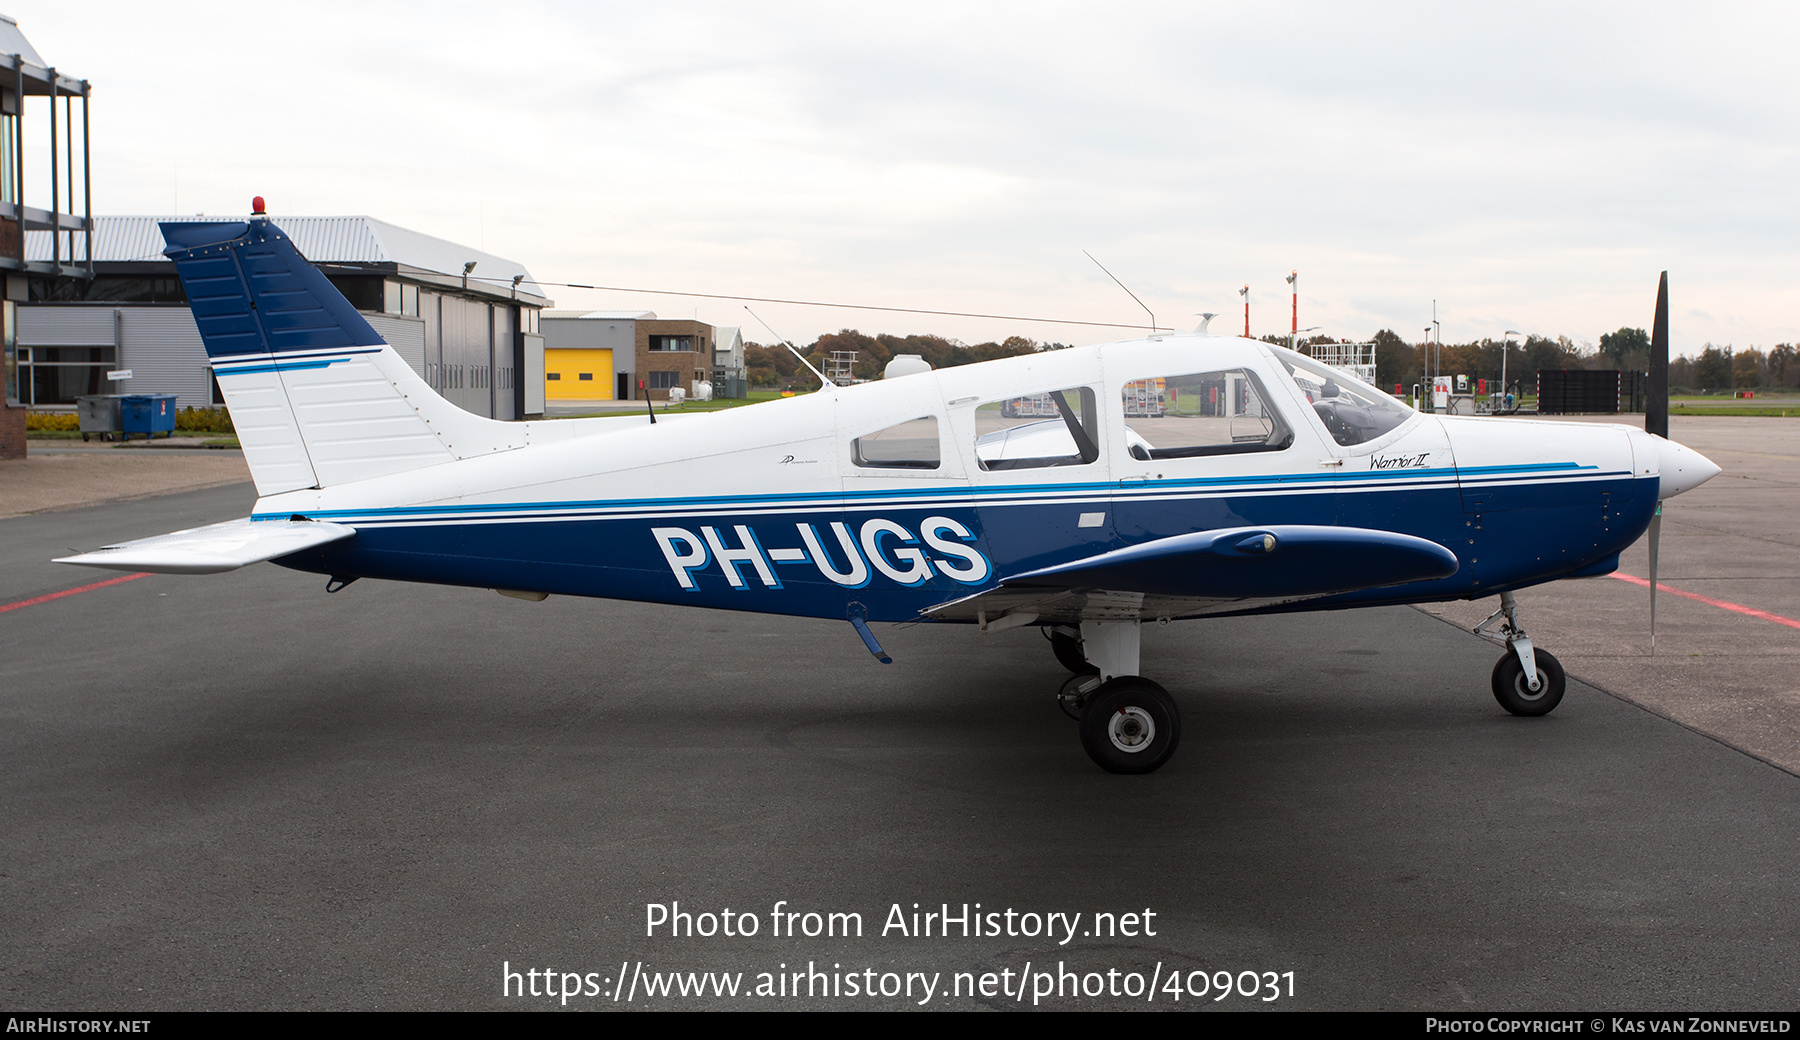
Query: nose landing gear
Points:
[1526, 681]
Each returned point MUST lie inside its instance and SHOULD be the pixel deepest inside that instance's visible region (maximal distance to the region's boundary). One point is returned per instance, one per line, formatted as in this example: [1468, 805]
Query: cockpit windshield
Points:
[1351, 409]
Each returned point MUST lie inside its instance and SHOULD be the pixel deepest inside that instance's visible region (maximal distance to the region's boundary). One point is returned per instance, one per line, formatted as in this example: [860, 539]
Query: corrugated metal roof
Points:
[323, 240]
[613, 315]
[12, 41]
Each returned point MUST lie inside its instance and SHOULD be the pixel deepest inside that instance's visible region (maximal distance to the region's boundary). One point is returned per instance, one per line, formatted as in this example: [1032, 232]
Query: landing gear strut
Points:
[1074, 693]
[1526, 681]
[1128, 723]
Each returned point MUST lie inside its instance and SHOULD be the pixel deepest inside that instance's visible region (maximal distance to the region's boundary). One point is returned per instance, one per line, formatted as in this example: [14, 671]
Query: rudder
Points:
[318, 398]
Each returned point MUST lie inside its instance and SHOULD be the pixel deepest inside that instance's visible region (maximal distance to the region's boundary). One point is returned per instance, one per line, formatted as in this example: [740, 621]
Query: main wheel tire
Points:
[1130, 725]
[1514, 693]
[1068, 654]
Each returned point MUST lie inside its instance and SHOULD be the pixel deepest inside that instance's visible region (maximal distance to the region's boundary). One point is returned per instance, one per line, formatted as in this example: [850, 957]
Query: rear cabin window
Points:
[1034, 431]
[1202, 413]
[909, 445]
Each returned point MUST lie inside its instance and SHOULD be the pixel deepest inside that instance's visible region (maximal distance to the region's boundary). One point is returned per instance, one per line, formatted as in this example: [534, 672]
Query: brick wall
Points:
[686, 364]
[12, 432]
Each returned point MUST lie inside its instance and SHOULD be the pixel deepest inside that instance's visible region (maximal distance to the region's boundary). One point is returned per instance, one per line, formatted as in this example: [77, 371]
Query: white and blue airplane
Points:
[1085, 491]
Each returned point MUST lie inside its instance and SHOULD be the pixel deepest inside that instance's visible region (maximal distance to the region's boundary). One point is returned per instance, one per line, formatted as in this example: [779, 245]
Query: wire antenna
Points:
[823, 382]
[1128, 292]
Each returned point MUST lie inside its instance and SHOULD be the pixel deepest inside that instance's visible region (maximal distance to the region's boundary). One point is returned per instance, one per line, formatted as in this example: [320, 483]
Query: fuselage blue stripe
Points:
[988, 495]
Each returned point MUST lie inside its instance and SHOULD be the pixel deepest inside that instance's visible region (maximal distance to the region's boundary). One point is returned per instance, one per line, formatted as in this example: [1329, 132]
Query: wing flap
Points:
[215, 548]
[1212, 571]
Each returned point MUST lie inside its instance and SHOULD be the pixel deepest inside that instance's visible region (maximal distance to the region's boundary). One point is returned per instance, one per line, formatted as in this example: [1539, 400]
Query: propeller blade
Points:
[1656, 407]
[1655, 539]
[1656, 421]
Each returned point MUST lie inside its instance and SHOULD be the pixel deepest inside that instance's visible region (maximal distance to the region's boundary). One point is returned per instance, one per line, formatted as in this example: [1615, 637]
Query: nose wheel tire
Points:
[1515, 694]
[1130, 725]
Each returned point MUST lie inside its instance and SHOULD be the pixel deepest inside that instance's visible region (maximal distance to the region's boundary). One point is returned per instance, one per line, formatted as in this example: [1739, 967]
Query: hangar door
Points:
[578, 375]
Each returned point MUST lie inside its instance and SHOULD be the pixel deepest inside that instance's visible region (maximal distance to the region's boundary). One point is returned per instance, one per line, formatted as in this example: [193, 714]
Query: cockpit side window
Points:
[1225, 412]
[1032, 431]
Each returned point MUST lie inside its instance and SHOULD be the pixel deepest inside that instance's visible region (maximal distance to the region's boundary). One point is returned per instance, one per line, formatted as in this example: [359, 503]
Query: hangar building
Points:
[634, 355]
[466, 320]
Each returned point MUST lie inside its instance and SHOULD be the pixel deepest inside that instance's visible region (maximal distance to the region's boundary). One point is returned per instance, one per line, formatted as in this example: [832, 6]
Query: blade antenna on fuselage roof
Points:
[823, 382]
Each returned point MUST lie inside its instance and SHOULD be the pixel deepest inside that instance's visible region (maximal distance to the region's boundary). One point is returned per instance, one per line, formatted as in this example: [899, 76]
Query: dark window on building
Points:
[664, 380]
[587, 376]
[58, 375]
[666, 343]
[364, 293]
[553, 376]
[108, 289]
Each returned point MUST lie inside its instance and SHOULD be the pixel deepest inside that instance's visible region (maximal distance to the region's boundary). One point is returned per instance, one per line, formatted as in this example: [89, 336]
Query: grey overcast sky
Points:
[1529, 166]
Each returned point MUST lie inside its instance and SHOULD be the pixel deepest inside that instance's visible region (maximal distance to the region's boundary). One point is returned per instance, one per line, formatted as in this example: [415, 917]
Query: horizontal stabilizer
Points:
[216, 548]
[1212, 572]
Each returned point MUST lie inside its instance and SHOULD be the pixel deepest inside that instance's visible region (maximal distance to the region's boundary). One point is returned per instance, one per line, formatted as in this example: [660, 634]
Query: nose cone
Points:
[1682, 468]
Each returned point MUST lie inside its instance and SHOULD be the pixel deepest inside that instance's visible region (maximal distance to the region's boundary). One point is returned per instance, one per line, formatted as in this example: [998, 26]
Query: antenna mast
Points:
[823, 382]
[1121, 285]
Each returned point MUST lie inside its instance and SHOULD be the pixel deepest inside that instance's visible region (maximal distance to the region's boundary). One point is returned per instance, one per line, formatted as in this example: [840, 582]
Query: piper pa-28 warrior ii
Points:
[1085, 491]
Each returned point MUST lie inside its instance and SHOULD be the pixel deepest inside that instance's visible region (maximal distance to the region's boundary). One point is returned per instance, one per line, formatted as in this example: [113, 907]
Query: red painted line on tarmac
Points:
[70, 592]
[1709, 601]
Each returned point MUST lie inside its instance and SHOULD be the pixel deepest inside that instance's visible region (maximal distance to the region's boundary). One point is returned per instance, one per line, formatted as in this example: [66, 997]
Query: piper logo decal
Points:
[881, 547]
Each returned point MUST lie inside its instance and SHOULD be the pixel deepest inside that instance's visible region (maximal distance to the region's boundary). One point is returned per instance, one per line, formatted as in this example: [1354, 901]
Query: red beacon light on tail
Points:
[257, 207]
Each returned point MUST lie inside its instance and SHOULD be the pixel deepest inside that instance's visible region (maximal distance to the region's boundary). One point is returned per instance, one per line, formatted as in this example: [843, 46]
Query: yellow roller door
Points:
[578, 375]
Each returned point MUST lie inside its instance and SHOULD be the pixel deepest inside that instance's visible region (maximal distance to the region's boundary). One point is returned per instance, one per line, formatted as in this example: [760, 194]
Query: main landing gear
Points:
[1128, 723]
[1526, 681]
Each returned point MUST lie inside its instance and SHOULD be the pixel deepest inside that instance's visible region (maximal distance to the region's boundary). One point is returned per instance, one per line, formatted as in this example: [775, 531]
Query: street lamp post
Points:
[1430, 379]
[1505, 348]
[1437, 366]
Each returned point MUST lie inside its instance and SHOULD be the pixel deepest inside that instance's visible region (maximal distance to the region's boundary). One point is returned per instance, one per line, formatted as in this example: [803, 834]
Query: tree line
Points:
[777, 366]
[1396, 360]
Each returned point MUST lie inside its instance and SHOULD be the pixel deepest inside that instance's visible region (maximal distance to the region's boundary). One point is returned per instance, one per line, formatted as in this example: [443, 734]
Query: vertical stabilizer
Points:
[318, 398]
